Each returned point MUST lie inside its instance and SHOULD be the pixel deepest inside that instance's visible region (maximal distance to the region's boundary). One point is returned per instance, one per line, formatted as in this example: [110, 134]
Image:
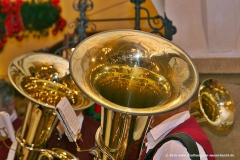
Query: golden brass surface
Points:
[44, 79]
[214, 105]
[132, 75]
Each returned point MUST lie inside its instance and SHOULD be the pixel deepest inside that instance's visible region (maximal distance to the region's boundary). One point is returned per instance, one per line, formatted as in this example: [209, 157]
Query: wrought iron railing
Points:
[158, 24]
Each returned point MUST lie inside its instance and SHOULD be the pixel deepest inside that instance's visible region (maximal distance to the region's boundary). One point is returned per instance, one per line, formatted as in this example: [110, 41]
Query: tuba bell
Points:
[133, 75]
[44, 79]
[214, 105]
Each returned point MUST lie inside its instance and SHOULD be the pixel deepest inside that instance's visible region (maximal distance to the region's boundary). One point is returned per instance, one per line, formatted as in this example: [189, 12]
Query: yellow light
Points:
[72, 49]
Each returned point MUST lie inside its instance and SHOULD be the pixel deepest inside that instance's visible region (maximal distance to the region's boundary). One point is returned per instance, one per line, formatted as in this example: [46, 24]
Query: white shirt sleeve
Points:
[174, 150]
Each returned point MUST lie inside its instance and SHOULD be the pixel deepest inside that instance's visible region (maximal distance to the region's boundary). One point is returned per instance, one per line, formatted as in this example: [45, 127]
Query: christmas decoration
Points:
[19, 19]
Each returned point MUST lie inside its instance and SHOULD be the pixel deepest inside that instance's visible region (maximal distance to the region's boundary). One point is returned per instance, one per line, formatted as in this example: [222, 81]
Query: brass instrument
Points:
[44, 79]
[132, 75]
[214, 105]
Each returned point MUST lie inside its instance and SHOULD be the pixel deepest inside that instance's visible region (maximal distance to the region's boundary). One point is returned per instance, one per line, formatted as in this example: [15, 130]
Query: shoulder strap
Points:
[185, 139]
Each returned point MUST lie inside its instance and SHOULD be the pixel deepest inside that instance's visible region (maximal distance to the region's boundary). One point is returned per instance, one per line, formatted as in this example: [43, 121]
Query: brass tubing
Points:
[196, 113]
[131, 74]
[214, 105]
[44, 80]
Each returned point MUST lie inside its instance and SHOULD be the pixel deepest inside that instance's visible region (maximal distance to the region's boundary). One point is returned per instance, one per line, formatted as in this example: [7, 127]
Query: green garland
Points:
[37, 17]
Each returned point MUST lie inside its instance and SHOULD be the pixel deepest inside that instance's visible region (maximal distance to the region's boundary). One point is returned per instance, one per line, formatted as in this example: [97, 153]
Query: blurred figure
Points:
[178, 120]
[7, 105]
[88, 128]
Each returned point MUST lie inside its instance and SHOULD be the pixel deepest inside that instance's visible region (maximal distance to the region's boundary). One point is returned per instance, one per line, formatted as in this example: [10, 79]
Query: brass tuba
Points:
[44, 79]
[214, 105]
[132, 75]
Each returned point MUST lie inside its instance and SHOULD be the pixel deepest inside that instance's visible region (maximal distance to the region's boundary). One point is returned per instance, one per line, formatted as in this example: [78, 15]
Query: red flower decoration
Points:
[13, 22]
[55, 2]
